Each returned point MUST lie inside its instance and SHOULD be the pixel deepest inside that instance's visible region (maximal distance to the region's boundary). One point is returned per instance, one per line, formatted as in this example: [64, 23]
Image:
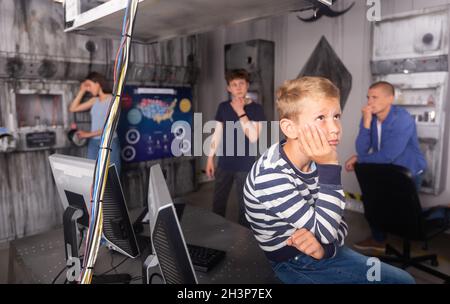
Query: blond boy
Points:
[294, 198]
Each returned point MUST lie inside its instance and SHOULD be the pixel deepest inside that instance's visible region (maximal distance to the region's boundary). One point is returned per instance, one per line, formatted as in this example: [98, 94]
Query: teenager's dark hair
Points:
[100, 79]
[385, 85]
[237, 74]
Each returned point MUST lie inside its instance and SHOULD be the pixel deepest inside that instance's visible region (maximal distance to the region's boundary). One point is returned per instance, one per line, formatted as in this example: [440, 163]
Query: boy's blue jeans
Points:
[347, 267]
[94, 146]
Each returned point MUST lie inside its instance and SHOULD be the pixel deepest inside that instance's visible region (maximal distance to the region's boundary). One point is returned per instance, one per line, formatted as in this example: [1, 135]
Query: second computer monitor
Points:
[73, 177]
[166, 234]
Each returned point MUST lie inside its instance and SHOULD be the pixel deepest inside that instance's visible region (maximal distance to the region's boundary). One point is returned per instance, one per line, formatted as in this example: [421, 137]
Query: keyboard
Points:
[204, 258]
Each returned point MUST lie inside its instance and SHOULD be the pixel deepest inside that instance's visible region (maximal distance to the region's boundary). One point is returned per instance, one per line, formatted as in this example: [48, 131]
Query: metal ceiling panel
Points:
[160, 20]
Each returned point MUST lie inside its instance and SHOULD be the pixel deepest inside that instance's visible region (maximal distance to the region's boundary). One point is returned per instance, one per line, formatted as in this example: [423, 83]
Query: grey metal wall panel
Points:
[6, 208]
[29, 202]
[36, 27]
[36, 54]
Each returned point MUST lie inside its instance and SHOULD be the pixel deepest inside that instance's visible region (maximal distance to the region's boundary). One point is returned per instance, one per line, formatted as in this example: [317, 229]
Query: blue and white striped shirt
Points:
[280, 199]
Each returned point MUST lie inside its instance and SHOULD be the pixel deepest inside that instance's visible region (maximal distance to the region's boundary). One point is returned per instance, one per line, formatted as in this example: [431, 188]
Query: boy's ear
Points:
[289, 128]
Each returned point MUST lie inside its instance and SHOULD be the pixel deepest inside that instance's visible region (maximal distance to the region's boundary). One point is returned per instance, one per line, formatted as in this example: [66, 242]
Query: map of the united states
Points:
[156, 109]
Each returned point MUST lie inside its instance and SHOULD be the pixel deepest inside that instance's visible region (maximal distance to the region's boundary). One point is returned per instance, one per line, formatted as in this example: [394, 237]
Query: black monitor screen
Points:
[171, 249]
[167, 237]
[117, 227]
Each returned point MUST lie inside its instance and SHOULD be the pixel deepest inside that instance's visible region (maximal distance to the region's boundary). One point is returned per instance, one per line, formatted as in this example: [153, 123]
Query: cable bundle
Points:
[94, 234]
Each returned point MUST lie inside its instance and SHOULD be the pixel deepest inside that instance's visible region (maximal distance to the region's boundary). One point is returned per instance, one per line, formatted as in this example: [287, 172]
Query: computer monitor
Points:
[167, 237]
[73, 177]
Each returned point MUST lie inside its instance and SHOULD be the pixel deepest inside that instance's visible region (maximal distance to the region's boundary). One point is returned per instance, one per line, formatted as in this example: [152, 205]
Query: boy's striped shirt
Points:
[281, 199]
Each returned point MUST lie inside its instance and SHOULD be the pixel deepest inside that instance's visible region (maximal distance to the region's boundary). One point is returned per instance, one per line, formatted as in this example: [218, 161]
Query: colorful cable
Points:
[94, 234]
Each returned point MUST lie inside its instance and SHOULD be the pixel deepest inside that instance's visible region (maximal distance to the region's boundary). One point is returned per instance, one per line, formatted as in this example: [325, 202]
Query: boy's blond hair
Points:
[293, 92]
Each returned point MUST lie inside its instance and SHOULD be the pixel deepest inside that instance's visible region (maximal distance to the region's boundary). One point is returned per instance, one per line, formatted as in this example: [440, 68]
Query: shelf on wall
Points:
[160, 20]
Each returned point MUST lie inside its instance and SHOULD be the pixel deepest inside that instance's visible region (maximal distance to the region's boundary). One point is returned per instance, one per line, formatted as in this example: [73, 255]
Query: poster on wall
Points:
[146, 120]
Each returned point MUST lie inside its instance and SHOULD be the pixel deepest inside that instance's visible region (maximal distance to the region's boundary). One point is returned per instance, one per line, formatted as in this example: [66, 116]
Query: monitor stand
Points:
[70, 218]
[151, 272]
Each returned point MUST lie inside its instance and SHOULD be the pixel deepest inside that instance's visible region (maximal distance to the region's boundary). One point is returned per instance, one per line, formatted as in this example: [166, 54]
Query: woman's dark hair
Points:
[100, 79]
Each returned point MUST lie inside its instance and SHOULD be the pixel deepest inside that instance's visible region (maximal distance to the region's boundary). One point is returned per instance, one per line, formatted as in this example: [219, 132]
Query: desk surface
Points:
[39, 258]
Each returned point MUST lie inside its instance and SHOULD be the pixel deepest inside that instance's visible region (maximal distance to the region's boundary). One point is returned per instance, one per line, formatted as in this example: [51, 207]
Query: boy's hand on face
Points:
[307, 243]
[367, 116]
[314, 144]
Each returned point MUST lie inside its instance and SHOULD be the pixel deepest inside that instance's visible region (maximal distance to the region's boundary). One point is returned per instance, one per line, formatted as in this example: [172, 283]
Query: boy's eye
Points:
[320, 118]
[337, 117]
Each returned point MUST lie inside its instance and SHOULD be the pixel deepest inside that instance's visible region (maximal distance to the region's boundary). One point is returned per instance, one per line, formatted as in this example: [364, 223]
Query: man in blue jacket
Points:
[387, 135]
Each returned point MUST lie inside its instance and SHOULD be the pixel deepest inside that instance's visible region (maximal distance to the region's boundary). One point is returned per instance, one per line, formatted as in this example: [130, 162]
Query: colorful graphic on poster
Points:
[146, 121]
